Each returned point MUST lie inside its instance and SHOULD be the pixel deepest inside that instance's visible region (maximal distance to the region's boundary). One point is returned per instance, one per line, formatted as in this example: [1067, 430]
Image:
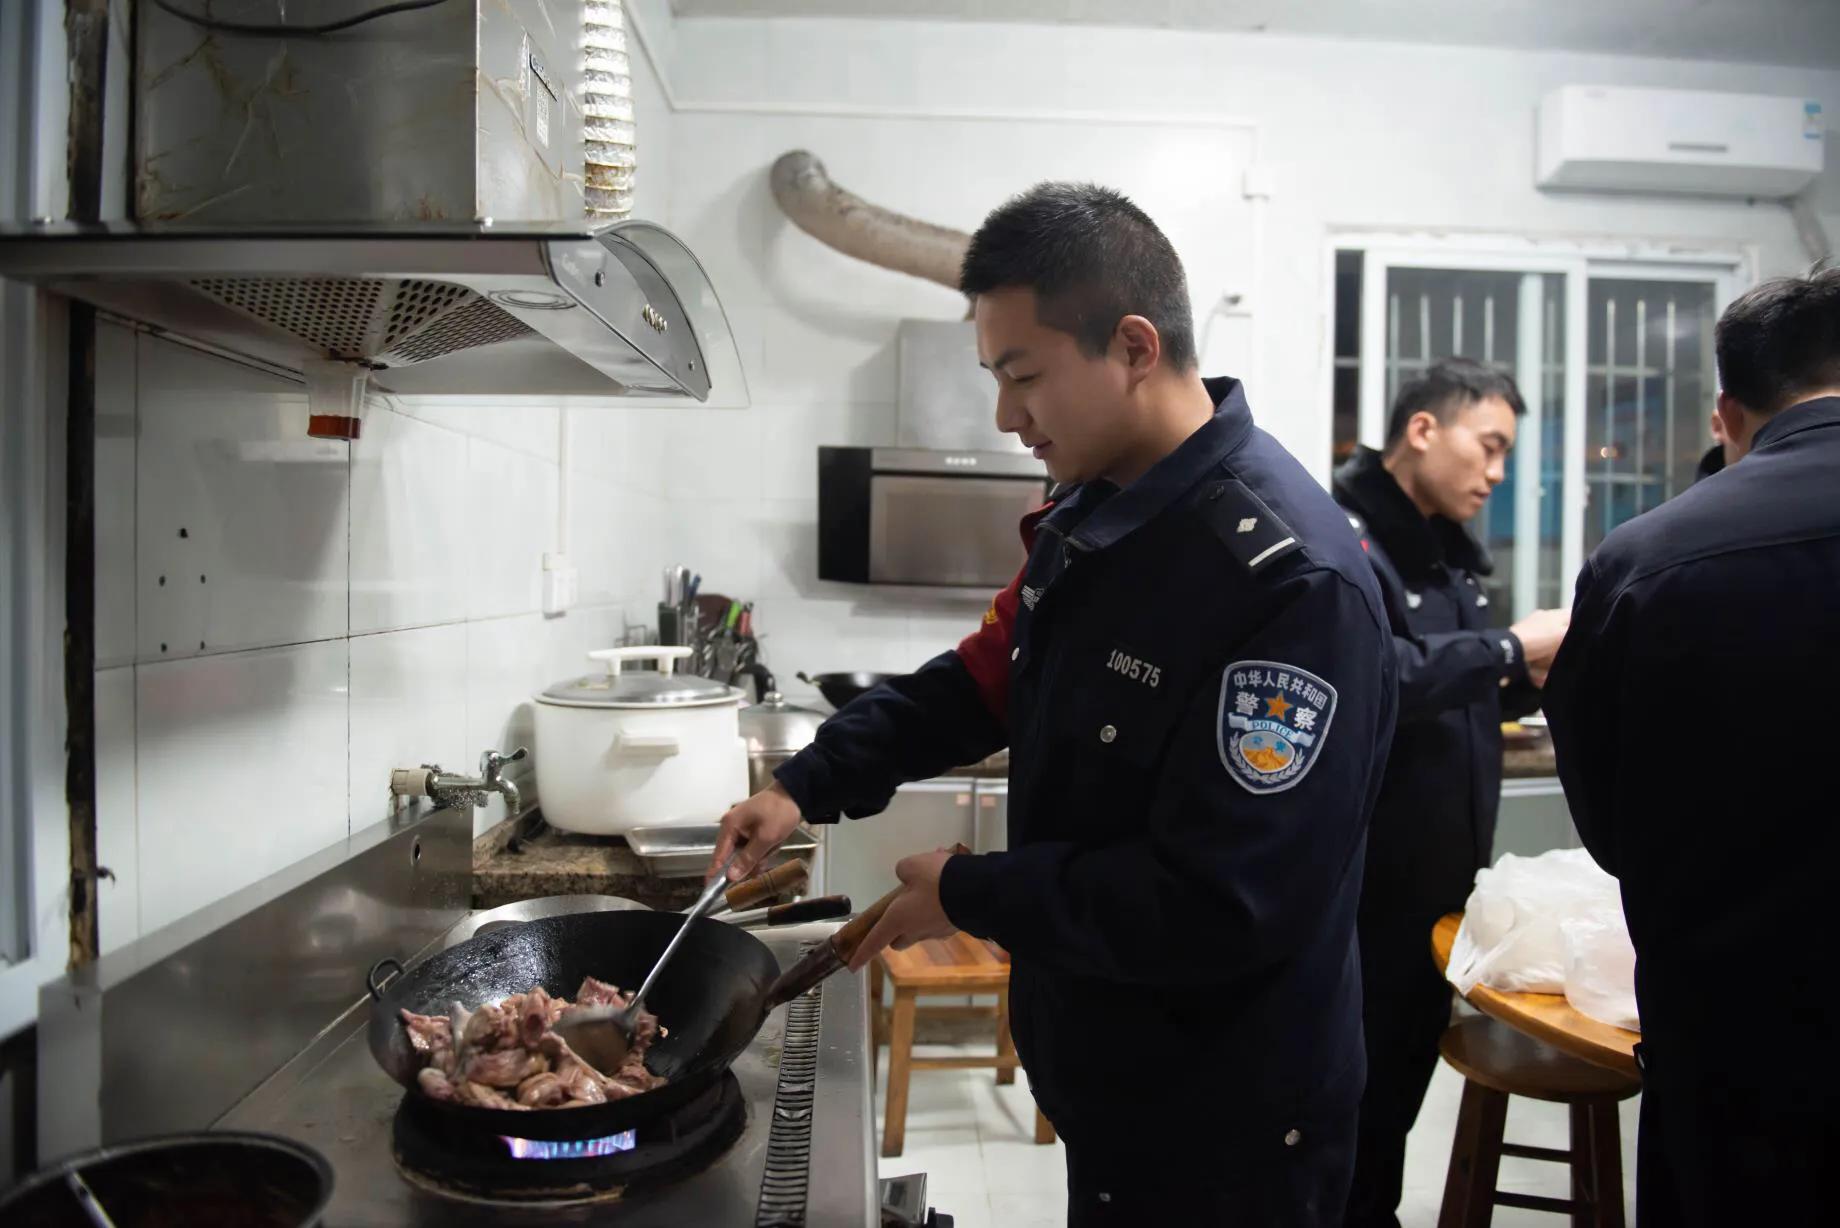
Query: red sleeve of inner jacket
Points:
[985, 651]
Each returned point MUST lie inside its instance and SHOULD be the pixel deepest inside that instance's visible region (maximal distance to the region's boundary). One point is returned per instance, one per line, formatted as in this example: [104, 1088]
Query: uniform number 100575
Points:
[1135, 669]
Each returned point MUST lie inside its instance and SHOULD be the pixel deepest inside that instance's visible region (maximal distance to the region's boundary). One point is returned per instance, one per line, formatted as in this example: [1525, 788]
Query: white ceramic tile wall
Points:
[450, 512]
[241, 523]
[407, 707]
[530, 429]
[506, 660]
[410, 548]
[510, 502]
[240, 770]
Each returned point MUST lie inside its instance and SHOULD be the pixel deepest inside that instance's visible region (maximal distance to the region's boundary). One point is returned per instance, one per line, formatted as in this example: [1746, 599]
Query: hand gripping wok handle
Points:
[781, 879]
[846, 940]
[835, 954]
[828, 957]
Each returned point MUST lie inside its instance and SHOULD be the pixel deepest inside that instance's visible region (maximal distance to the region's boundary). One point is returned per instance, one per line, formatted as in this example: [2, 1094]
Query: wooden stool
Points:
[1497, 1062]
[960, 964]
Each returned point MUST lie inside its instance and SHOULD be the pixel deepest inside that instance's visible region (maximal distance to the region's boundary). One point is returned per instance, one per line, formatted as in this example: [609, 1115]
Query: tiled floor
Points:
[975, 1142]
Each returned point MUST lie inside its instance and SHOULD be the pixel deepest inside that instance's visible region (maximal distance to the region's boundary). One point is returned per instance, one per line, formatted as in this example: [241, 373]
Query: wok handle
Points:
[847, 939]
[827, 957]
[376, 982]
[781, 879]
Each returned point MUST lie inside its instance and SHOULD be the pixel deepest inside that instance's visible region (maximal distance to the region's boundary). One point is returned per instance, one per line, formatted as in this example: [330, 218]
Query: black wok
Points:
[840, 689]
[712, 997]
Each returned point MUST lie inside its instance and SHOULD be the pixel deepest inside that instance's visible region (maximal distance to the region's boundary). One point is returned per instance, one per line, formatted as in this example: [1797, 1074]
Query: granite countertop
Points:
[1529, 760]
[552, 862]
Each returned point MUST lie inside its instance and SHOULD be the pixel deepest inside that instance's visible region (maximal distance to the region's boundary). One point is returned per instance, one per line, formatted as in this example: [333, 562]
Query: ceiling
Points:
[1790, 32]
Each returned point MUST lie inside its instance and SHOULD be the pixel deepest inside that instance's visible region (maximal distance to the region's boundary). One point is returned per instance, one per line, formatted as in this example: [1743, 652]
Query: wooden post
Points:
[878, 1018]
[1606, 1165]
[1006, 1044]
[1475, 1159]
[900, 1071]
[1584, 1187]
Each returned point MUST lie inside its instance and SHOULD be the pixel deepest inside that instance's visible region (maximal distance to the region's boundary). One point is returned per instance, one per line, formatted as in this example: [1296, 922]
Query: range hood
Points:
[552, 308]
[405, 200]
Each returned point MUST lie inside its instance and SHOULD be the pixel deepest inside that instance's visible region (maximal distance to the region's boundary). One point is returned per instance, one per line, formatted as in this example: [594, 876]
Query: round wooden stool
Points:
[1497, 1062]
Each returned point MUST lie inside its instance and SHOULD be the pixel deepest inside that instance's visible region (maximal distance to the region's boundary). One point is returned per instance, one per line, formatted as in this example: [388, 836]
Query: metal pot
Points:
[774, 731]
[638, 748]
[215, 1177]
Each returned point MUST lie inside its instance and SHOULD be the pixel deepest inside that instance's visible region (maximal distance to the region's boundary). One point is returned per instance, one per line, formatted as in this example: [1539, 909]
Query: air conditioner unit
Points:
[1608, 138]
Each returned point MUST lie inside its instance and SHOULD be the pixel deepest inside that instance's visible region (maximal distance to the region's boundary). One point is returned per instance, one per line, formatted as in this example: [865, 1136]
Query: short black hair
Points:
[1092, 257]
[1450, 384]
[1780, 341]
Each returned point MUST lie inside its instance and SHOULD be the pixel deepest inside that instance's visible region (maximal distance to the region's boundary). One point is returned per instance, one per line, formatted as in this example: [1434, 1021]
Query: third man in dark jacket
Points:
[1694, 719]
[1459, 676]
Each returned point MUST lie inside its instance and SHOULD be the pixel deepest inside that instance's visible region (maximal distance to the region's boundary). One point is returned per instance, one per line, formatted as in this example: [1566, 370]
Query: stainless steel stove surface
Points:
[803, 1156]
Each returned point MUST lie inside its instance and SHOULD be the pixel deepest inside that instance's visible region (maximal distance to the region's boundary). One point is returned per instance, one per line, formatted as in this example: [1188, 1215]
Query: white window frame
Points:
[1728, 268]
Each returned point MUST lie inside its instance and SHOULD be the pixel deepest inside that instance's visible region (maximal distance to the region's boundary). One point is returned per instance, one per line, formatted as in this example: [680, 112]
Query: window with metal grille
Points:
[1613, 356]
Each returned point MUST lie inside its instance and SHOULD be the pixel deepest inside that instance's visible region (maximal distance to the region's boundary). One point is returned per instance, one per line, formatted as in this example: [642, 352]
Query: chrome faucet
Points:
[449, 789]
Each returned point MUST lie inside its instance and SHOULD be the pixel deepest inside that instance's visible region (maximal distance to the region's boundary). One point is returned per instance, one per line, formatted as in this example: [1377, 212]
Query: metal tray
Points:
[684, 851]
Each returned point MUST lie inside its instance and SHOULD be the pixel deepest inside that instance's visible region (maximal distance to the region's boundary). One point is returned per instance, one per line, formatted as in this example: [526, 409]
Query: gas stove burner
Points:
[436, 1152]
[570, 1149]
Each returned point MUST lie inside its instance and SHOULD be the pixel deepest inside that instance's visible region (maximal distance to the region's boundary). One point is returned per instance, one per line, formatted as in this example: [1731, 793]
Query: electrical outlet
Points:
[560, 584]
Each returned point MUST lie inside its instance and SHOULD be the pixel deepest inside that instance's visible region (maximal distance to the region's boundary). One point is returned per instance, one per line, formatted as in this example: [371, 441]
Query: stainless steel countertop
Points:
[334, 1098]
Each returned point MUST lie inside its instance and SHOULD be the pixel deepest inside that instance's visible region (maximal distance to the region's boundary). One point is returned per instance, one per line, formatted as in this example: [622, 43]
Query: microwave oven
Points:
[923, 516]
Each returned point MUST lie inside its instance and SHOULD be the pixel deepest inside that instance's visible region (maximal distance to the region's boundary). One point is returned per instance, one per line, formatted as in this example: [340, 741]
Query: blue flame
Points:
[570, 1149]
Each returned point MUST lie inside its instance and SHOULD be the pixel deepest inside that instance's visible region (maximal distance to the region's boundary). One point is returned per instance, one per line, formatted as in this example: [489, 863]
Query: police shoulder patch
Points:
[1248, 528]
[1273, 721]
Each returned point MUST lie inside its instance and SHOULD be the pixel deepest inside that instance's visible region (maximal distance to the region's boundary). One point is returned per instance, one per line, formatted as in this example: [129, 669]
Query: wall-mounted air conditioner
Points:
[1608, 138]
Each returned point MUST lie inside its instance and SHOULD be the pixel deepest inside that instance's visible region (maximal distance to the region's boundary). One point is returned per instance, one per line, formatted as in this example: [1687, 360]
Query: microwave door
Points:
[958, 531]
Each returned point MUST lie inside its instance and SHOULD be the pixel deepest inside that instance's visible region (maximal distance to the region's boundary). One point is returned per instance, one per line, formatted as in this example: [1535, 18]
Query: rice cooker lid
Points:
[618, 686]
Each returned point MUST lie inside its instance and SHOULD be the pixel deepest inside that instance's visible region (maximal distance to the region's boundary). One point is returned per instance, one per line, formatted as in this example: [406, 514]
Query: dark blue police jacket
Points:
[1695, 710]
[1459, 678]
[1196, 682]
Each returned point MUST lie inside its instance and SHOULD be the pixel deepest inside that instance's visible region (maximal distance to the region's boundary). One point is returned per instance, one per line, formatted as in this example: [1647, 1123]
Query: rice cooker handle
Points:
[667, 656]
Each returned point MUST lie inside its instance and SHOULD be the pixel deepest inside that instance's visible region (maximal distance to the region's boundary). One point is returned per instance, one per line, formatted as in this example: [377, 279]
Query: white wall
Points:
[282, 620]
[1354, 134]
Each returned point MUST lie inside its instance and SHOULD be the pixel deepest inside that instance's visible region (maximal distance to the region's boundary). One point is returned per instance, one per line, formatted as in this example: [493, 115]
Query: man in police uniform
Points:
[1447, 444]
[1694, 714]
[1193, 675]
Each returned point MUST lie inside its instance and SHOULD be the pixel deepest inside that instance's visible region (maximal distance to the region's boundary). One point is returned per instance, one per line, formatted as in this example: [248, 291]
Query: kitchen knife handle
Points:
[780, 880]
[817, 908]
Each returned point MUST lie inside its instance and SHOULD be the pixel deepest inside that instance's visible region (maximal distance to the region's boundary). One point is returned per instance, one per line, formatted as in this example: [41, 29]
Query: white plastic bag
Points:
[1549, 924]
[1600, 971]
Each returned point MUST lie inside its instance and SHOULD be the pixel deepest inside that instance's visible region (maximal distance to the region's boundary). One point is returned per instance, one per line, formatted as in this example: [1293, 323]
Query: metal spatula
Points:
[602, 1036]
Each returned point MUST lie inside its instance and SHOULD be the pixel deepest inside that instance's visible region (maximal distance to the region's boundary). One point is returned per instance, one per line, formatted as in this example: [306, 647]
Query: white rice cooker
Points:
[633, 748]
